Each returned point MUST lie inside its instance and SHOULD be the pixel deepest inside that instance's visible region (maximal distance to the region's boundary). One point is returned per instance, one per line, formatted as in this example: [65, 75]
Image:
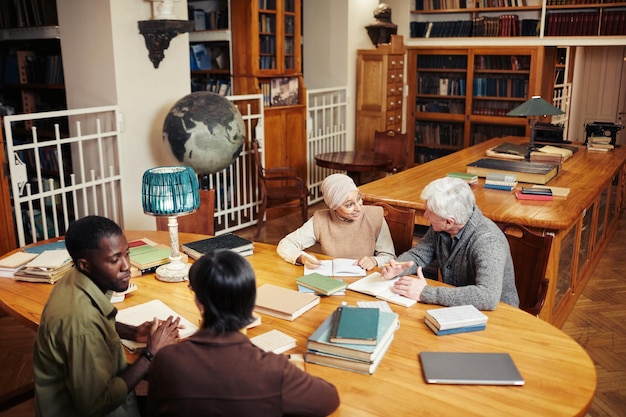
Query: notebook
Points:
[470, 368]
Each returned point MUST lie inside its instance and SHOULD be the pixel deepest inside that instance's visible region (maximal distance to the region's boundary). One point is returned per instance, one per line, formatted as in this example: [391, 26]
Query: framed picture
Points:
[284, 91]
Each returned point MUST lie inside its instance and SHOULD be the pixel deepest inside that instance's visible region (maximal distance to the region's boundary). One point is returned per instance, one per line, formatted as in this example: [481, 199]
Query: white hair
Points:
[450, 198]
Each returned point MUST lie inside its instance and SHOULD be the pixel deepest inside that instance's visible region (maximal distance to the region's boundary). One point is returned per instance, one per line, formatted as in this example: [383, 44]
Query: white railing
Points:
[562, 99]
[89, 161]
[326, 132]
[55, 179]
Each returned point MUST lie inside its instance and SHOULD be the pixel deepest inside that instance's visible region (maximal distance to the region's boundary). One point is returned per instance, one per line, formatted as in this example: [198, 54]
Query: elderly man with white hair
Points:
[347, 229]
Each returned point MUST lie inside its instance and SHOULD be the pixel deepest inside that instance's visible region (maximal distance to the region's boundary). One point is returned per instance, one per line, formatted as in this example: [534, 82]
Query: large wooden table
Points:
[582, 223]
[560, 377]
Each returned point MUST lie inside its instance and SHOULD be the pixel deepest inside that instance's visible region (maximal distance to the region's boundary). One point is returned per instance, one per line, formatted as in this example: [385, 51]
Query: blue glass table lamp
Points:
[172, 192]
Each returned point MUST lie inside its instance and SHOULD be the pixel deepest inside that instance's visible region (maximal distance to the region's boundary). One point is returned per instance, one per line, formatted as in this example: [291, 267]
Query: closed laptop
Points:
[485, 368]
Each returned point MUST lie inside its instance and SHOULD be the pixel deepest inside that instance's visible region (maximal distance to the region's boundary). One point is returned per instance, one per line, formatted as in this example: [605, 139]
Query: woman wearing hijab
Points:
[347, 229]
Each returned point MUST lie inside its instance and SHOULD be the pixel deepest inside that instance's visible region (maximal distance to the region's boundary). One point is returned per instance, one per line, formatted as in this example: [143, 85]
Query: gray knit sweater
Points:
[479, 267]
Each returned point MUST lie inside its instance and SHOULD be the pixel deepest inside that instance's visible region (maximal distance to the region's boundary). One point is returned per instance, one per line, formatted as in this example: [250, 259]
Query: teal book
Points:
[321, 284]
[464, 329]
[354, 325]
[319, 341]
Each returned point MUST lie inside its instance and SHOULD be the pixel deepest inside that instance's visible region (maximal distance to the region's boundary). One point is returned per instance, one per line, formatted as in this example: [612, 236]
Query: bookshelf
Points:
[210, 46]
[267, 59]
[515, 18]
[458, 97]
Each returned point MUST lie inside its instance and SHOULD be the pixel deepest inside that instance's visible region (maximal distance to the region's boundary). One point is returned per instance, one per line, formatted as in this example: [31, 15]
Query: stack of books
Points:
[146, 256]
[498, 181]
[534, 193]
[9, 265]
[353, 339]
[238, 244]
[599, 144]
[47, 267]
[456, 319]
[471, 179]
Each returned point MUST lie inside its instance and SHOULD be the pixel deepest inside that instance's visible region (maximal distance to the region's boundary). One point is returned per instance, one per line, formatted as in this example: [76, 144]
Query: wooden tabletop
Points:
[560, 376]
[585, 173]
[358, 161]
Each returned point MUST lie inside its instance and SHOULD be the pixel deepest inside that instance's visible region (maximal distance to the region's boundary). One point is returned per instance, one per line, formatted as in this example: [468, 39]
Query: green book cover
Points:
[355, 325]
[150, 256]
[321, 284]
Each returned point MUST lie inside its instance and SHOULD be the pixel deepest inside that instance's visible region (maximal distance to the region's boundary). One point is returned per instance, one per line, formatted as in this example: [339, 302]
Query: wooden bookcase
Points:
[209, 46]
[379, 91]
[530, 18]
[458, 97]
[267, 59]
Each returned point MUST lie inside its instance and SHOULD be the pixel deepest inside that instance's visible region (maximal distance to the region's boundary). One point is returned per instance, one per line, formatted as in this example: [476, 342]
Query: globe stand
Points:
[176, 270]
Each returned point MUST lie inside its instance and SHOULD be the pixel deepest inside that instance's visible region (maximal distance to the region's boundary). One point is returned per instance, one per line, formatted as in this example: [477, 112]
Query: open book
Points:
[339, 267]
[374, 284]
[136, 315]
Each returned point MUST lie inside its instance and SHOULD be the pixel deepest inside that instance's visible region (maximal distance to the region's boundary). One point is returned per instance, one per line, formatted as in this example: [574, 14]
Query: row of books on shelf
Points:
[465, 4]
[442, 61]
[444, 86]
[492, 108]
[500, 86]
[203, 58]
[209, 20]
[482, 26]
[440, 106]
[502, 62]
[574, 2]
[214, 85]
[438, 134]
[572, 23]
[28, 13]
[28, 68]
[267, 23]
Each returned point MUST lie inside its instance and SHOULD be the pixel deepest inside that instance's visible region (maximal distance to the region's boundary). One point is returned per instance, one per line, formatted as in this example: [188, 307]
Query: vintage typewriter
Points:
[602, 129]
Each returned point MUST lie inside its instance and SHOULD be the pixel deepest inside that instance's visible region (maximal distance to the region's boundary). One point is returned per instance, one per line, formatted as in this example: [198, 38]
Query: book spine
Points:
[500, 187]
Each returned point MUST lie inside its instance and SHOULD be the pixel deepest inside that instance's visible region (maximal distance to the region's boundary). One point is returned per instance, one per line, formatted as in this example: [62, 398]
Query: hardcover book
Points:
[230, 241]
[284, 303]
[445, 318]
[535, 197]
[148, 256]
[525, 171]
[348, 364]
[274, 341]
[321, 284]
[319, 341]
[354, 325]
[464, 329]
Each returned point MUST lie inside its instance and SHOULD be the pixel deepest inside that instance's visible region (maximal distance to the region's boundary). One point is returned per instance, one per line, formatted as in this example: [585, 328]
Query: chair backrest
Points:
[530, 253]
[395, 145]
[201, 221]
[401, 222]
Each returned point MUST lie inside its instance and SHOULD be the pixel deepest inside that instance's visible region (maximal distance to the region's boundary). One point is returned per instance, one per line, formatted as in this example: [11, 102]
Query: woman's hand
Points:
[309, 261]
[395, 268]
[367, 262]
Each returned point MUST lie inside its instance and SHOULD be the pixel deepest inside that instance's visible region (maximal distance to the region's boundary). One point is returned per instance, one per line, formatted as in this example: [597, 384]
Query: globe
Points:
[204, 131]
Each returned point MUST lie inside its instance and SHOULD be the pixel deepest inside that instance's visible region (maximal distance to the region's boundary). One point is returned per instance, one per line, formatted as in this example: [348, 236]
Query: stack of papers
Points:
[48, 267]
[9, 265]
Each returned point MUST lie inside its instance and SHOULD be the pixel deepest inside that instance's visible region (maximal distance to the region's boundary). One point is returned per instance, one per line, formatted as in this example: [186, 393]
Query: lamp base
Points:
[167, 274]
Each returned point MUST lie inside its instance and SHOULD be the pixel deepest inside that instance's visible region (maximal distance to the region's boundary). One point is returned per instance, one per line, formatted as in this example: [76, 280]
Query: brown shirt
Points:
[226, 375]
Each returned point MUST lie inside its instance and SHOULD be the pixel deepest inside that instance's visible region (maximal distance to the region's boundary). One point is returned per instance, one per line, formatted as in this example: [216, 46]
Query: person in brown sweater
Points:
[347, 229]
[218, 371]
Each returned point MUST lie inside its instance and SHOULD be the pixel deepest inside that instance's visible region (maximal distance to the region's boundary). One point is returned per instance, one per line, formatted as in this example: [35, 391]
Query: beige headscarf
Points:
[335, 189]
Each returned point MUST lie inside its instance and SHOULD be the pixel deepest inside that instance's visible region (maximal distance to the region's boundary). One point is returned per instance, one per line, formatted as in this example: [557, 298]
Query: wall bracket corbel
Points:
[159, 33]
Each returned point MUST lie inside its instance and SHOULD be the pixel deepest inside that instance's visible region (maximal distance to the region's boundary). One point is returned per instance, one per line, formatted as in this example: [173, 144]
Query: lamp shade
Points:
[536, 106]
[170, 191]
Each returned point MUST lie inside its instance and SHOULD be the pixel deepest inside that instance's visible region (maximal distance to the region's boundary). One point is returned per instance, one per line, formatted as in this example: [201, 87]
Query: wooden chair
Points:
[401, 222]
[202, 221]
[530, 254]
[281, 187]
[395, 145]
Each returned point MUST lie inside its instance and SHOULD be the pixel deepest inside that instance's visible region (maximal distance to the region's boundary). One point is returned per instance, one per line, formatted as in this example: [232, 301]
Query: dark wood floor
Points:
[598, 323]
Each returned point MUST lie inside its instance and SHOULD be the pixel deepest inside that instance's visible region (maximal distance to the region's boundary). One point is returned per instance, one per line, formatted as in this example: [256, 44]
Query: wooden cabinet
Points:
[209, 46]
[531, 18]
[267, 59]
[458, 97]
[380, 91]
